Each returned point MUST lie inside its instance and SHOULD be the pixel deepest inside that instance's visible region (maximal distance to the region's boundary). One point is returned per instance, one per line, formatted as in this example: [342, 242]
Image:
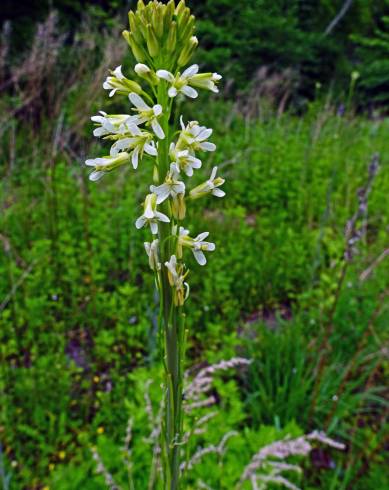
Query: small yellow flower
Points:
[62, 455]
[100, 430]
[96, 379]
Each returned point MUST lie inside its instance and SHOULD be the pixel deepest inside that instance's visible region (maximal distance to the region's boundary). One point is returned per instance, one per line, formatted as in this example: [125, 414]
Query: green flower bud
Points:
[171, 42]
[183, 18]
[188, 29]
[168, 16]
[158, 20]
[152, 42]
[180, 7]
[188, 50]
[135, 31]
[137, 51]
[140, 5]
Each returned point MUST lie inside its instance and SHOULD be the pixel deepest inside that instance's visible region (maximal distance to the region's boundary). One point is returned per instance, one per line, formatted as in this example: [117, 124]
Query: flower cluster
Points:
[162, 41]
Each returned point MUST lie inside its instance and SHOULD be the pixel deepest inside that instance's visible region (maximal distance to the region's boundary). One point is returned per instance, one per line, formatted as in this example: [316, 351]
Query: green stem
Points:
[171, 327]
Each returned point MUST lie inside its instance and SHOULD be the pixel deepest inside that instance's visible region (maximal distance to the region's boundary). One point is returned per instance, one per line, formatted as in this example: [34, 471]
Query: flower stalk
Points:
[162, 41]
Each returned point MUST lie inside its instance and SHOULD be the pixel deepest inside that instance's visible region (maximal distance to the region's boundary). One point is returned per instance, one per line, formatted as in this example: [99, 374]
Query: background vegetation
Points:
[296, 132]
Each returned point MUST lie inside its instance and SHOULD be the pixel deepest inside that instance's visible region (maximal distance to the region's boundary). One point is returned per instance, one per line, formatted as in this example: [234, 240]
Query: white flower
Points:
[153, 254]
[148, 114]
[112, 124]
[211, 186]
[106, 164]
[182, 83]
[184, 160]
[177, 280]
[197, 245]
[193, 137]
[171, 187]
[119, 83]
[151, 215]
[137, 143]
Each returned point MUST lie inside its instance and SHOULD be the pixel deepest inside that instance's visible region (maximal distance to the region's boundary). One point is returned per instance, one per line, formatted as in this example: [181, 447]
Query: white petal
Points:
[189, 72]
[96, 175]
[154, 227]
[149, 213]
[91, 162]
[98, 119]
[118, 72]
[112, 92]
[150, 149]
[206, 146]
[188, 170]
[140, 222]
[196, 163]
[211, 247]
[132, 127]
[202, 236]
[189, 92]
[98, 132]
[138, 101]
[162, 217]
[172, 92]
[107, 85]
[141, 69]
[147, 247]
[204, 134]
[157, 109]
[182, 122]
[135, 158]
[162, 192]
[166, 75]
[179, 188]
[157, 129]
[200, 257]
[213, 174]
[218, 193]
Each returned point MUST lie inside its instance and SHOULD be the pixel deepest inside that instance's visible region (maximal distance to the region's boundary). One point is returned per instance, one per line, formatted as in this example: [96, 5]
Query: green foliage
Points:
[373, 52]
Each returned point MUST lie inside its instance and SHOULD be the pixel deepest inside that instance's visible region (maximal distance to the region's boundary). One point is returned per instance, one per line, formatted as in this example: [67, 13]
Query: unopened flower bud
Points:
[158, 23]
[134, 27]
[179, 207]
[168, 16]
[136, 49]
[143, 71]
[186, 30]
[172, 37]
[188, 50]
[152, 42]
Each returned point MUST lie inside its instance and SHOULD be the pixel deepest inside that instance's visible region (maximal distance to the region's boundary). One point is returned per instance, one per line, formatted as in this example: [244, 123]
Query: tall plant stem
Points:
[171, 326]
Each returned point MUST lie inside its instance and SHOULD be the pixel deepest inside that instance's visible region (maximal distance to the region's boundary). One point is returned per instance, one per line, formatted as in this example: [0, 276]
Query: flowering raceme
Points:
[162, 40]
